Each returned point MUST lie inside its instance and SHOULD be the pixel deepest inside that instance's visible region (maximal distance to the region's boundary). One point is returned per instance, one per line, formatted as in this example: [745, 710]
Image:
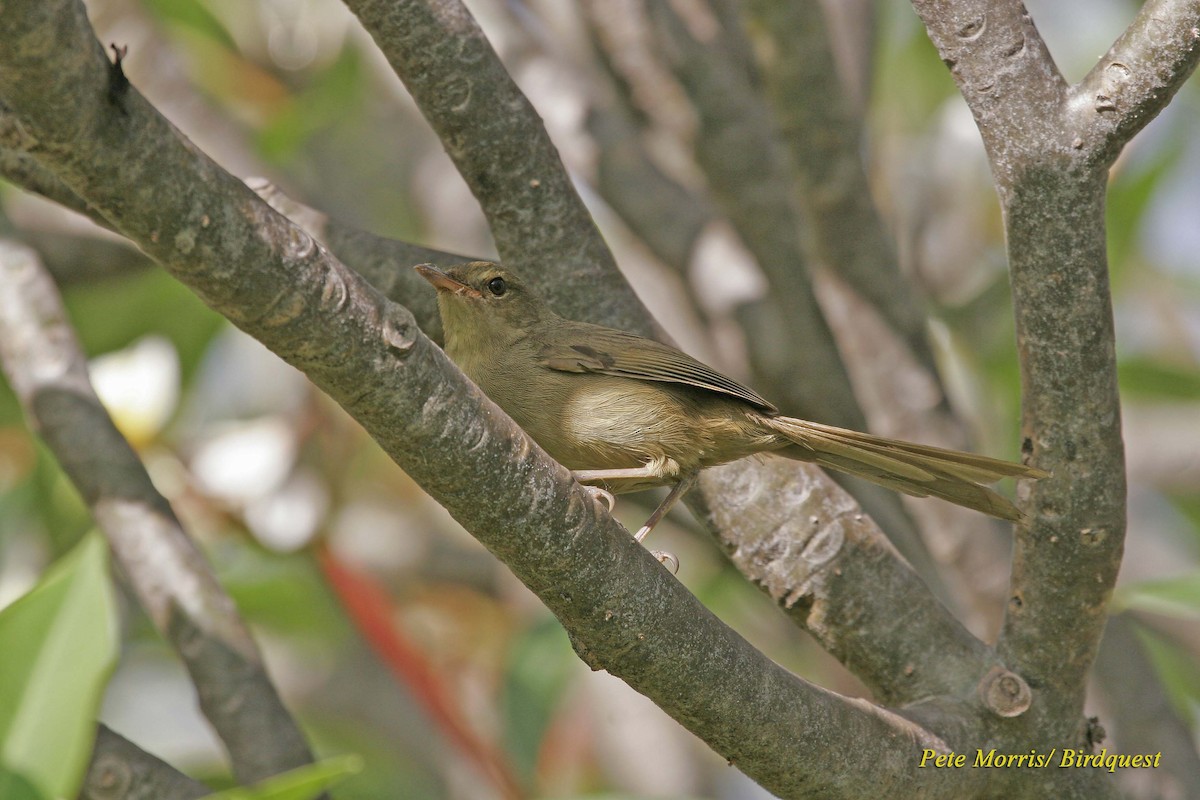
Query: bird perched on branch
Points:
[626, 413]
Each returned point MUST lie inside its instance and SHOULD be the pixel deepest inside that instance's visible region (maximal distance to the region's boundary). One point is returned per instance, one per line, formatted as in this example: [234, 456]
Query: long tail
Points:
[915, 469]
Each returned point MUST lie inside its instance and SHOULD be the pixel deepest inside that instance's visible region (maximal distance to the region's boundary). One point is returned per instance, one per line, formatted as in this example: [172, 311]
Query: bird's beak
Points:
[444, 283]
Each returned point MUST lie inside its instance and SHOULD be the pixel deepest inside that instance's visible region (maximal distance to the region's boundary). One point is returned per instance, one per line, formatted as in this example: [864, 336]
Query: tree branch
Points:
[815, 554]
[822, 130]
[751, 176]
[894, 661]
[48, 372]
[120, 770]
[622, 609]
[1136, 78]
[500, 147]
[1049, 159]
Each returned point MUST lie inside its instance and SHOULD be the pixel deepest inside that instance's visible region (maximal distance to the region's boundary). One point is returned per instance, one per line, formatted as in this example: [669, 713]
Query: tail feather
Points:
[914, 469]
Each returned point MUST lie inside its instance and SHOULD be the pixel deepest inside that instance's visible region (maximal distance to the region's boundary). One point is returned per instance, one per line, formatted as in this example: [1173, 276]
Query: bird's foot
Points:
[603, 497]
[668, 560]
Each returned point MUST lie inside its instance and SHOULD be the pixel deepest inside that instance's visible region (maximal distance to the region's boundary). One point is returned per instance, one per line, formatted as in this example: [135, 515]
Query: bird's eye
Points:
[497, 286]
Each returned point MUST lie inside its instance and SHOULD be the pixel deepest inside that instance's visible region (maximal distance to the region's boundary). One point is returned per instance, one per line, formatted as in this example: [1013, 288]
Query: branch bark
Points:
[48, 372]
[1049, 145]
[822, 129]
[269, 277]
[120, 770]
[500, 147]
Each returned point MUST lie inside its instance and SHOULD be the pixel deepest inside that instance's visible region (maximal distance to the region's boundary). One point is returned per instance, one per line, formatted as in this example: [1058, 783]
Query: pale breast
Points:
[620, 422]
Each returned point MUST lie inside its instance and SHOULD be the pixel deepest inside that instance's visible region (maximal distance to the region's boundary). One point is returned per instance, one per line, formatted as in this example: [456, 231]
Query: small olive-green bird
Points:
[626, 413]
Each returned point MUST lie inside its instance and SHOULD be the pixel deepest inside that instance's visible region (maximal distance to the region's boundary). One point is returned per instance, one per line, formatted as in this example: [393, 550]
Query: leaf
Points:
[1131, 193]
[539, 670]
[195, 17]
[1175, 666]
[335, 93]
[59, 645]
[302, 783]
[1173, 597]
[1151, 379]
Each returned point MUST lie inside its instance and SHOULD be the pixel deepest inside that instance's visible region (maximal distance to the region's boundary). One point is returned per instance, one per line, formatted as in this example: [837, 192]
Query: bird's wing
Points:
[592, 348]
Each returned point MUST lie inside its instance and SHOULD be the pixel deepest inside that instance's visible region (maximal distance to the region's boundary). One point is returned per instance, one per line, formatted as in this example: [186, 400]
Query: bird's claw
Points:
[603, 497]
[668, 560]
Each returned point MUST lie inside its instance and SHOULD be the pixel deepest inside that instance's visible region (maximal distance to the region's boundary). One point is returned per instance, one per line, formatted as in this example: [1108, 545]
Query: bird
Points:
[625, 413]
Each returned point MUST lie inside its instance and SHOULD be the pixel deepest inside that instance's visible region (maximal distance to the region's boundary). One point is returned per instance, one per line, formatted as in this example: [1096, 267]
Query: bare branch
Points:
[120, 770]
[750, 177]
[667, 216]
[501, 148]
[624, 611]
[48, 372]
[822, 129]
[1136, 78]
[1049, 157]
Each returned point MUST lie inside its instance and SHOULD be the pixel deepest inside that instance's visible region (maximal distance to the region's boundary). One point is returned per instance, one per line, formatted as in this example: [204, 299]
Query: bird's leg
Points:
[648, 471]
[605, 497]
[677, 491]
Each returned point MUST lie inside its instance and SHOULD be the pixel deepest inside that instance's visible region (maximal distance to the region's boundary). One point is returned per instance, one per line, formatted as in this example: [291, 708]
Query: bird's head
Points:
[481, 298]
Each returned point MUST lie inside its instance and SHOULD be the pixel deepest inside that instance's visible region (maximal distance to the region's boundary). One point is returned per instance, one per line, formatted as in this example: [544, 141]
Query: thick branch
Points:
[1049, 147]
[622, 609]
[815, 554]
[48, 372]
[387, 264]
[502, 150]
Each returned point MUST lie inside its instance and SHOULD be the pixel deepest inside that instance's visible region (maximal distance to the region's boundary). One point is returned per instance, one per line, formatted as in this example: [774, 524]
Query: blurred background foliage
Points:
[260, 466]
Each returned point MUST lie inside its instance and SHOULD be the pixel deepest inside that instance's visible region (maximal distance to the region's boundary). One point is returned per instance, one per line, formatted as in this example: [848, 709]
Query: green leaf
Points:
[1130, 194]
[193, 16]
[540, 666]
[1175, 666]
[1174, 597]
[334, 94]
[59, 645]
[302, 783]
[1143, 377]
